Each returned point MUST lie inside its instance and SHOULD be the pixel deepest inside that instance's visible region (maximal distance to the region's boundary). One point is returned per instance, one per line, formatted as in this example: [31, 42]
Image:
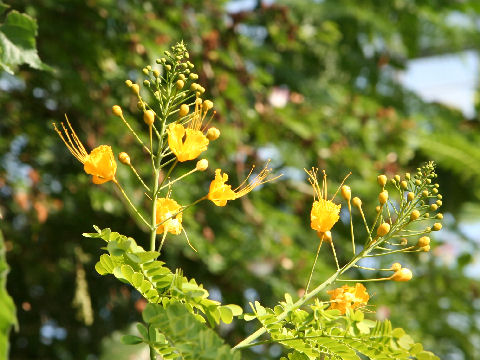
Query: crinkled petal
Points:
[101, 164]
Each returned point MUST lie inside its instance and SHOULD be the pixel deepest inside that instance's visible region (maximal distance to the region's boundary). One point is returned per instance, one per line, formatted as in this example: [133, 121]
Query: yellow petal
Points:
[101, 164]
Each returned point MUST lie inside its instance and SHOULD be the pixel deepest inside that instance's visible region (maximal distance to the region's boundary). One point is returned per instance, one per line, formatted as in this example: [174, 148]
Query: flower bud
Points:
[378, 208]
[383, 197]
[426, 215]
[410, 196]
[407, 176]
[207, 105]
[128, 83]
[433, 207]
[346, 192]
[439, 203]
[180, 84]
[213, 134]
[117, 110]
[145, 71]
[423, 241]
[156, 73]
[146, 83]
[426, 248]
[184, 110]
[418, 182]
[135, 88]
[383, 229]
[403, 184]
[194, 87]
[181, 77]
[382, 180]
[428, 229]
[124, 158]
[437, 227]
[193, 76]
[403, 274]
[425, 193]
[357, 202]
[439, 216]
[202, 165]
[396, 266]
[168, 67]
[435, 190]
[397, 178]
[149, 117]
[414, 215]
[403, 241]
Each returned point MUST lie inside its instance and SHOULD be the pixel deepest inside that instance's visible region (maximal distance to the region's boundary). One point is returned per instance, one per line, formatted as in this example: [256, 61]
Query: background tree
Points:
[305, 84]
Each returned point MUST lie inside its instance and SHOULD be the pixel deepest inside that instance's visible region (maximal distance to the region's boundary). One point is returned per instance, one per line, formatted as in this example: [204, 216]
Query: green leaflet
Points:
[130, 263]
[7, 307]
[17, 41]
[177, 334]
[318, 333]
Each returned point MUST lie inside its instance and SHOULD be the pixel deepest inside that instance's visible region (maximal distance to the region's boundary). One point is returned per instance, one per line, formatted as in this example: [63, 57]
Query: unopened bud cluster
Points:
[419, 202]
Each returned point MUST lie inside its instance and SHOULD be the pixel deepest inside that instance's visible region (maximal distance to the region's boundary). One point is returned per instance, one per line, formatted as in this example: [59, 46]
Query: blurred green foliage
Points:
[7, 307]
[304, 83]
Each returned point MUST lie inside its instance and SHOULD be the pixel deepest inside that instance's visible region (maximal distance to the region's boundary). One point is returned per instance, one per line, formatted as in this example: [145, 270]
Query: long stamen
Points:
[258, 180]
[244, 181]
[71, 140]
[317, 193]
[324, 185]
[76, 139]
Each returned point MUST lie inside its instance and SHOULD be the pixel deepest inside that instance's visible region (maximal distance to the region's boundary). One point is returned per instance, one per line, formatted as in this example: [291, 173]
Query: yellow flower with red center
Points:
[219, 192]
[100, 163]
[168, 216]
[348, 297]
[325, 213]
[188, 143]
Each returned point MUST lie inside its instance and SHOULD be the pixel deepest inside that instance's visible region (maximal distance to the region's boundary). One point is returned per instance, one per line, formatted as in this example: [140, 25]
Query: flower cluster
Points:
[396, 224]
[178, 121]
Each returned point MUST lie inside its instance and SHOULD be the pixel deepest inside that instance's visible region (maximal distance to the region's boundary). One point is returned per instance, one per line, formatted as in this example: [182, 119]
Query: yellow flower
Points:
[188, 143]
[348, 297]
[165, 209]
[325, 213]
[220, 192]
[100, 163]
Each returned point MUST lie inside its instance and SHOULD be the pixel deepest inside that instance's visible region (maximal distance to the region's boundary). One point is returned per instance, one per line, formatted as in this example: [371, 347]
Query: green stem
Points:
[135, 134]
[153, 233]
[139, 178]
[163, 240]
[131, 204]
[351, 226]
[245, 343]
[179, 178]
[169, 172]
[314, 263]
